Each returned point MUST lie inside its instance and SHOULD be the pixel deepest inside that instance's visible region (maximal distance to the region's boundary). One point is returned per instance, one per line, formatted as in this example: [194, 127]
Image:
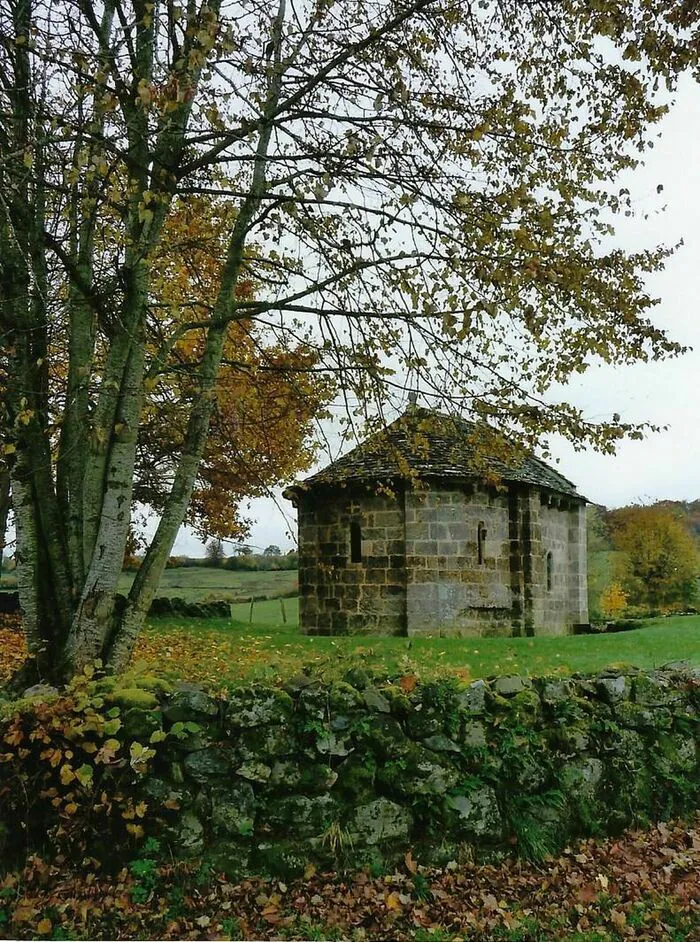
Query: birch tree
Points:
[421, 187]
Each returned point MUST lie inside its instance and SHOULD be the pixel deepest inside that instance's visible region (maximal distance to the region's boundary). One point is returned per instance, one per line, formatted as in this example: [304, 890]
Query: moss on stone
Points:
[133, 698]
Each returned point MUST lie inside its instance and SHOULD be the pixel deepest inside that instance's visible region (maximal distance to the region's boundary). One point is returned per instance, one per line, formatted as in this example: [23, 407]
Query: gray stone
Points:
[233, 810]
[557, 691]
[268, 742]
[641, 716]
[331, 744]
[474, 735]
[477, 813]
[509, 686]
[421, 773]
[583, 774]
[254, 706]
[40, 692]
[190, 704]
[294, 685]
[205, 764]
[301, 815]
[473, 699]
[375, 701]
[381, 820]
[614, 690]
[254, 771]
[440, 743]
[292, 776]
[188, 835]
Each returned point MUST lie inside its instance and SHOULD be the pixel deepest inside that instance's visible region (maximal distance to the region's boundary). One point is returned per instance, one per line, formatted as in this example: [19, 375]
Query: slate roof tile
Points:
[424, 443]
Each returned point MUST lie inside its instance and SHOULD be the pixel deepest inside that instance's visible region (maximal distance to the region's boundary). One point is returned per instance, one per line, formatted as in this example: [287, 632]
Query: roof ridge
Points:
[446, 452]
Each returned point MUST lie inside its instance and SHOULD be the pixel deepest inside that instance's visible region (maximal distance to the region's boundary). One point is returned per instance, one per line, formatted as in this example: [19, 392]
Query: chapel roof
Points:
[424, 443]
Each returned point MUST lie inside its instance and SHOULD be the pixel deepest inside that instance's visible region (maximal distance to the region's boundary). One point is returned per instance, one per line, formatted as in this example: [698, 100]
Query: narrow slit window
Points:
[549, 571]
[481, 542]
[355, 542]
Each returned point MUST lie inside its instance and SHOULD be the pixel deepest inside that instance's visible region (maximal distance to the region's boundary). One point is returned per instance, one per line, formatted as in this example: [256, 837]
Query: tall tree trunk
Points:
[5, 504]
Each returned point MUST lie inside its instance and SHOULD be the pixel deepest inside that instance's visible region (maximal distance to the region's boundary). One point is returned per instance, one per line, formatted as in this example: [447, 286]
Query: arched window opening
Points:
[355, 542]
[481, 542]
[549, 571]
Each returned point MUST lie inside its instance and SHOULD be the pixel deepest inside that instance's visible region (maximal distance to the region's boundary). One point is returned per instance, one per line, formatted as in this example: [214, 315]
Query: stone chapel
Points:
[413, 532]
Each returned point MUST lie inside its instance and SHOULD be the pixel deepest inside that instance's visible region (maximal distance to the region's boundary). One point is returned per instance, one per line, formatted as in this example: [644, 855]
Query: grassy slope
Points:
[230, 653]
[196, 584]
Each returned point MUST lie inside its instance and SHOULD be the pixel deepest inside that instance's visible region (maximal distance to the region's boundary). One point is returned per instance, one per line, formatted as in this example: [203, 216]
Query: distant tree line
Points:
[242, 562]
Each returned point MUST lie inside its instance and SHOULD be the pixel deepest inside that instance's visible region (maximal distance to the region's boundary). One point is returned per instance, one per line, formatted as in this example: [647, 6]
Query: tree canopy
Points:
[661, 562]
[416, 191]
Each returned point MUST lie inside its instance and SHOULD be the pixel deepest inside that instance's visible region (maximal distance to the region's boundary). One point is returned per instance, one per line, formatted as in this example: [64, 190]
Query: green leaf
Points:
[84, 775]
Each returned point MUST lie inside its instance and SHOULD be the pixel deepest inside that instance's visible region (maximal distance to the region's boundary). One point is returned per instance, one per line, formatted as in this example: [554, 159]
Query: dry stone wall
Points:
[355, 773]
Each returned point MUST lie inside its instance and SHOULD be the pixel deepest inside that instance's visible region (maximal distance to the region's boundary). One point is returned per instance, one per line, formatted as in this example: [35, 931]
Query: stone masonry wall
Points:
[420, 572]
[357, 772]
[449, 592]
[558, 528]
[338, 596]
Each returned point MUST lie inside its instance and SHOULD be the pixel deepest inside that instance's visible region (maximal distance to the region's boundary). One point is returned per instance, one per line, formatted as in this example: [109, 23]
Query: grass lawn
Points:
[225, 654]
[268, 612]
[197, 583]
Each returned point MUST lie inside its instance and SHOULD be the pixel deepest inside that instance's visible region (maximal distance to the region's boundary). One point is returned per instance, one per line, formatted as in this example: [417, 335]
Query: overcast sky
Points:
[667, 464]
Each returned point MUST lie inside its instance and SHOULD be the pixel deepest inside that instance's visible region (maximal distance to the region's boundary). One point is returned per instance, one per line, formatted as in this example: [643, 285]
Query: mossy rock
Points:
[230, 858]
[146, 681]
[399, 704]
[133, 698]
[475, 813]
[290, 774]
[643, 717]
[210, 763]
[652, 690]
[140, 724]
[286, 859]
[425, 720]
[191, 704]
[418, 772]
[233, 810]
[357, 775]
[268, 742]
[383, 735]
[358, 677]
[254, 706]
[301, 815]
[521, 709]
[676, 755]
[381, 821]
[343, 698]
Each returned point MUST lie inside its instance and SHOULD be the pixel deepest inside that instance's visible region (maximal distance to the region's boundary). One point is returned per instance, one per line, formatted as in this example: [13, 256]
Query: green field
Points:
[228, 653]
[268, 612]
[195, 583]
